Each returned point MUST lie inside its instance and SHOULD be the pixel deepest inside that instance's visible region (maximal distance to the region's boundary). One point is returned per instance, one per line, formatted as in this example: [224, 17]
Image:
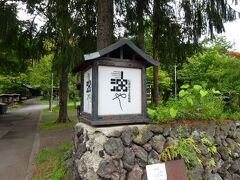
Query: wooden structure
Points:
[9, 98]
[113, 85]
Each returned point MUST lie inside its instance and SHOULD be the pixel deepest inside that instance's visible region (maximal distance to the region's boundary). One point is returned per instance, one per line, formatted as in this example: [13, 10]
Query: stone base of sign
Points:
[122, 152]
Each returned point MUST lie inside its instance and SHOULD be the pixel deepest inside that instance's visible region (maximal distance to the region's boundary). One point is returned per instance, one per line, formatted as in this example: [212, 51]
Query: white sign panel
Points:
[156, 172]
[119, 90]
[87, 89]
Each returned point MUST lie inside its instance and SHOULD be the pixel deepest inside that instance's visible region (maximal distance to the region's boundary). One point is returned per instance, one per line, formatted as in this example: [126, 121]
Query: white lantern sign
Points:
[119, 91]
[87, 107]
[113, 85]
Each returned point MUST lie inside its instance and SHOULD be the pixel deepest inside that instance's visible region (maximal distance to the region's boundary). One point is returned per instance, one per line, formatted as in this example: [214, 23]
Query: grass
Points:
[42, 101]
[50, 163]
[48, 121]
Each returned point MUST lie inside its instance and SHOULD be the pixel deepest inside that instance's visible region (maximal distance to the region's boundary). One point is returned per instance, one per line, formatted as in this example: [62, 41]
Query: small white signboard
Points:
[156, 172]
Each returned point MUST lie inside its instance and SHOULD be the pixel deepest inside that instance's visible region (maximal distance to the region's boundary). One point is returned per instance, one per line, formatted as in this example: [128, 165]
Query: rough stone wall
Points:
[122, 152]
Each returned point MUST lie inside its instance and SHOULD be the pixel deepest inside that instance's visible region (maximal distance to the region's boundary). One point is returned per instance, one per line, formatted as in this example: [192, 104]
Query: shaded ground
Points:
[53, 138]
[18, 138]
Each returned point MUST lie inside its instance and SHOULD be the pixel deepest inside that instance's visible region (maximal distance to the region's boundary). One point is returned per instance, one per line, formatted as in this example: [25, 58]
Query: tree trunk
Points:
[141, 39]
[49, 101]
[63, 97]
[141, 28]
[104, 23]
[155, 53]
[74, 100]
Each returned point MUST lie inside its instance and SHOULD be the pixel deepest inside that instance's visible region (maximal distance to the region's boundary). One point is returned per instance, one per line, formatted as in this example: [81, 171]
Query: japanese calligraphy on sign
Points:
[121, 87]
[88, 91]
[119, 90]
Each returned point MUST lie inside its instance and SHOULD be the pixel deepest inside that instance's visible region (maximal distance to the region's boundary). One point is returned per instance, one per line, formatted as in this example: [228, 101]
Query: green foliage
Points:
[151, 113]
[13, 84]
[42, 101]
[220, 44]
[211, 162]
[212, 149]
[164, 79]
[19, 42]
[186, 149]
[193, 103]
[173, 112]
[169, 153]
[216, 71]
[48, 121]
[233, 116]
[39, 76]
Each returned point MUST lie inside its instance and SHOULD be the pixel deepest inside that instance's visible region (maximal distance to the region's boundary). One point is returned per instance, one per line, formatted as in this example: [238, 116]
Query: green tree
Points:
[18, 45]
[71, 29]
[135, 21]
[40, 77]
[214, 70]
[176, 35]
[165, 81]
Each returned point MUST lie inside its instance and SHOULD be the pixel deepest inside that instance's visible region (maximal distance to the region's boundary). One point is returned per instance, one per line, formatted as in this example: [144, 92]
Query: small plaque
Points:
[156, 171]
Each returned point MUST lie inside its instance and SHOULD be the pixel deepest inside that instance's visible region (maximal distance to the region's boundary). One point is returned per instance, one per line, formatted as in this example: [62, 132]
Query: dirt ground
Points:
[53, 138]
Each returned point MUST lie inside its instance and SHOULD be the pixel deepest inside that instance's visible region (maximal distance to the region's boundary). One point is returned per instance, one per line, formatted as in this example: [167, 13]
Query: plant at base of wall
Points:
[186, 149]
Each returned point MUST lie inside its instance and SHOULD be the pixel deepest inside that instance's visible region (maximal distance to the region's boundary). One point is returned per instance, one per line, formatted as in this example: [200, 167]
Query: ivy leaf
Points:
[173, 112]
[203, 93]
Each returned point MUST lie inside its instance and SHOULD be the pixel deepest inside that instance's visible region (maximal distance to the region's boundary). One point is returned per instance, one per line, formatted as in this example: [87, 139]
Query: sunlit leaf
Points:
[197, 87]
[183, 93]
[203, 93]
[185, 86]
[173, 112]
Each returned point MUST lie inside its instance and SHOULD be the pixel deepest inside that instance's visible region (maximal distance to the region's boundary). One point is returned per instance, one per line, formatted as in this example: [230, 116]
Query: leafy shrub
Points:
[232, 115]
[193, 103]
[186, 149]
[214, 69]
[164, 80]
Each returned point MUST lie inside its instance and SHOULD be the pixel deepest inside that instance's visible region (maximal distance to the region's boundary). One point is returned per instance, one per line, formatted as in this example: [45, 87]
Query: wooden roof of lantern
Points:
[122, 49]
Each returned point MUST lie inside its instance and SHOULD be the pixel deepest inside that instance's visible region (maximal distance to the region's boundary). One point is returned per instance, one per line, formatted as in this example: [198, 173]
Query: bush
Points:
[232, 115]
[193, 103]
[214, 69]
